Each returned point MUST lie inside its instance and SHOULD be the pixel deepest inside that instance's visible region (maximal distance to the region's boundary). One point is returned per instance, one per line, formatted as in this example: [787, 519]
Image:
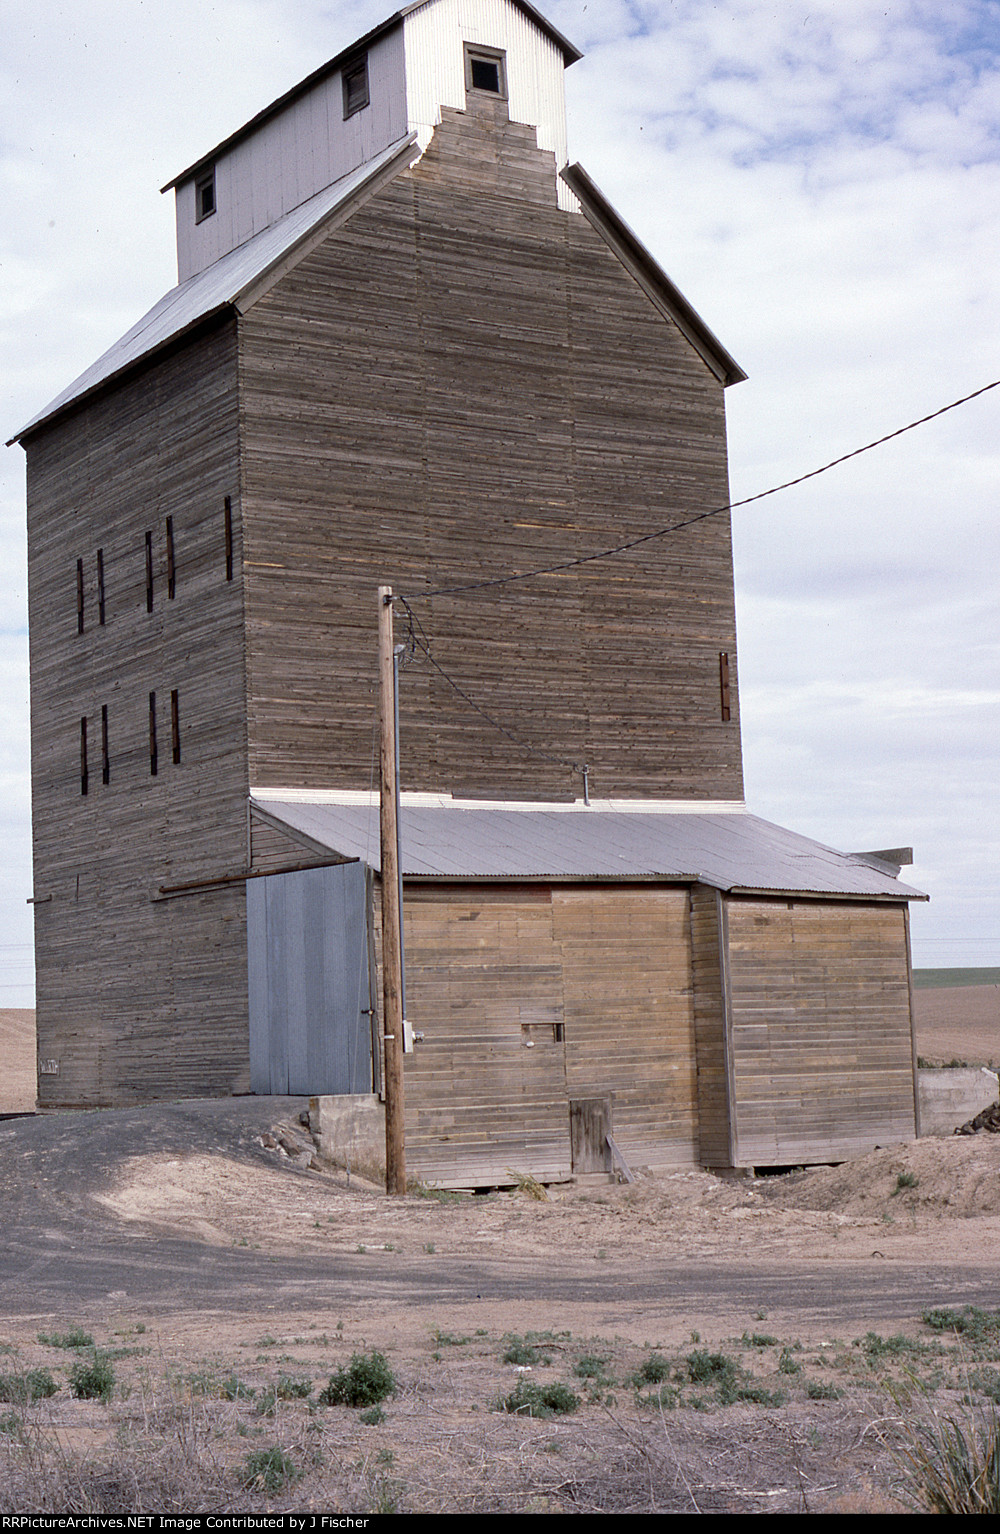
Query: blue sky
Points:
[823, 182]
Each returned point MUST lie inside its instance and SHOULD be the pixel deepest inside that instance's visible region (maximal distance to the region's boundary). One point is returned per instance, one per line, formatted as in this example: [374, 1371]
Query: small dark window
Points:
[355, 77]
[228, 517]
[175, 726]
[724, 683]
[100, 585]
[486, 75]
[171, 576]
[152, 734]
[84, 775]
[485, 70]
[79, 596]
[149, 572]
[204, 196]
[105, 755]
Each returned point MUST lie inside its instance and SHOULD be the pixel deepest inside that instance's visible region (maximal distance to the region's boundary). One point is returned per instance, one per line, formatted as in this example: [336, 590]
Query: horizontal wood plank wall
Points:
[459, 382]
[486, 1089]
[709, 1007]
[820, 1029]
[628, 1008]
[273, 850]
[530, 998]
[138, 999]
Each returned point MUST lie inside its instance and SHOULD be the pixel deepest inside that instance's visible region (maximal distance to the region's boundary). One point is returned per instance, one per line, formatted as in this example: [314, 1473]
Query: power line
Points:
[702, 516]
[420, 642]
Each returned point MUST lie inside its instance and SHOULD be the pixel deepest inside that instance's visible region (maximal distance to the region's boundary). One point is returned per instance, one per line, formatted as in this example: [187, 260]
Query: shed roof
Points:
[723, 846]
[226, 284]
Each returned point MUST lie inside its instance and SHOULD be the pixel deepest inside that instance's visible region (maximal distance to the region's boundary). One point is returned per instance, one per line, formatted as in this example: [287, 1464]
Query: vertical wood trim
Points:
[149, 572]
[171, 572]
[84, 776]
[913, 1029]
[722, 907]
[79, 596]
[152, 735]
[100, 586]
[105, 754]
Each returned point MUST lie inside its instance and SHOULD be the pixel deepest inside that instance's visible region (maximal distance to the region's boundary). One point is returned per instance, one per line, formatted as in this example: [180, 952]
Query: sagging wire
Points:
[417, 640]
[702, 516]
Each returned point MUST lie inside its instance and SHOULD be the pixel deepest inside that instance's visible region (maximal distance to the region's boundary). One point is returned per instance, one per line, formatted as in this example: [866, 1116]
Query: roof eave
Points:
[652, 278]
[203, 322]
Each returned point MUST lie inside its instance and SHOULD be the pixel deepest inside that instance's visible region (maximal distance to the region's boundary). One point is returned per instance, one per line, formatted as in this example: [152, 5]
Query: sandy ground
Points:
[197, 1387]
[812, 1284]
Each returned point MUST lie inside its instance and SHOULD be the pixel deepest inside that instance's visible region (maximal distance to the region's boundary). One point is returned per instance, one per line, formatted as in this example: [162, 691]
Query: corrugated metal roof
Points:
[726, 849]
[219, 286]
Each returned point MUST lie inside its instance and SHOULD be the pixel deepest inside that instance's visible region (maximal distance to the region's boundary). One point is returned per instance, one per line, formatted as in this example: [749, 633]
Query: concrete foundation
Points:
[350, 1131]
[951, 1097]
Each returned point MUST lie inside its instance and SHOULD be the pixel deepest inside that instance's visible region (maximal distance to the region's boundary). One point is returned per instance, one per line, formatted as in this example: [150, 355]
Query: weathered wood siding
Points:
[535, 997]
[461, 381]
[821, 1035]
[138, 997]
[629, 1019]
[711, 1025]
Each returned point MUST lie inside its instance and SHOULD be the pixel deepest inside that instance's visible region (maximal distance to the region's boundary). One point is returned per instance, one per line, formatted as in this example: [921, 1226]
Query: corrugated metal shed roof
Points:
[724, 848]
[219, 286]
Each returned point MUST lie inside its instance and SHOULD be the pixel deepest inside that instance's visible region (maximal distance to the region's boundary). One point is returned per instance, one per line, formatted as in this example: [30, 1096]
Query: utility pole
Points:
[392, 915]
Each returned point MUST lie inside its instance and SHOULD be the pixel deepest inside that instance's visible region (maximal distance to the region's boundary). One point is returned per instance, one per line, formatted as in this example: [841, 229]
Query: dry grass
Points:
[228, 1438]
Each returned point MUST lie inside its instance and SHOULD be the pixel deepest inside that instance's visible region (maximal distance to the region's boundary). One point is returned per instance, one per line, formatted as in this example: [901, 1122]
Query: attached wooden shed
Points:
[705, 986]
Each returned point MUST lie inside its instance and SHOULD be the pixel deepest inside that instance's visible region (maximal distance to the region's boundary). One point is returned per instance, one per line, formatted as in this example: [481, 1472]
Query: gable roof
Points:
[237, 279]
[722, 846]
[232, 282]
[569, 53]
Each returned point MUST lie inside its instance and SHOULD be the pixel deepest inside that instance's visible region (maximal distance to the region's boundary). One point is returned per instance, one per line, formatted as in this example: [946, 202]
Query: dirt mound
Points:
[956, 1177]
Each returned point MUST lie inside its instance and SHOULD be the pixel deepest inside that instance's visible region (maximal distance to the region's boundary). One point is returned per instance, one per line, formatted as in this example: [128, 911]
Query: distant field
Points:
[17, 1060]
[956, 1016]
[930, 979]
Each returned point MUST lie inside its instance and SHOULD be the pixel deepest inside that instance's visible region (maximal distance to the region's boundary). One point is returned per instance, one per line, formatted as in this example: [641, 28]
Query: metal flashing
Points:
[650, 275]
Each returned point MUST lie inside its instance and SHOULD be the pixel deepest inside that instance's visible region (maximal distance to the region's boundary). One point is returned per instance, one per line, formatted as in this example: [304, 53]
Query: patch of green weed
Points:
[758, 1340]
[652, 1370]
[520, 1351]
[269, 1470]
[821, 1390]
[23, 1389]
[367, 1380]
[530, 1399]
[76, 1337]
[93, 1379]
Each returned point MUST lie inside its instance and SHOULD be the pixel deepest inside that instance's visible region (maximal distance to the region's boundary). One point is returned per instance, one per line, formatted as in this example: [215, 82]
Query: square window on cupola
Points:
[485, 70]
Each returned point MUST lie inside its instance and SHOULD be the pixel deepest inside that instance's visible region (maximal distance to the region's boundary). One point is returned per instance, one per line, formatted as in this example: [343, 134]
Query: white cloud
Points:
[821, 177]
